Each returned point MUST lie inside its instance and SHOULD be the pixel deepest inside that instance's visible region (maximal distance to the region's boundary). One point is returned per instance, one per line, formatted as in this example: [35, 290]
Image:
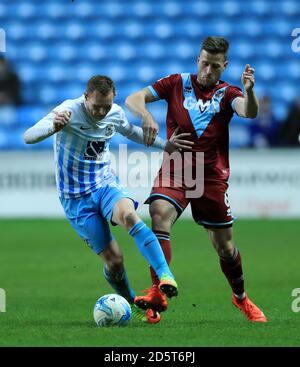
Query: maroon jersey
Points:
[203, 112]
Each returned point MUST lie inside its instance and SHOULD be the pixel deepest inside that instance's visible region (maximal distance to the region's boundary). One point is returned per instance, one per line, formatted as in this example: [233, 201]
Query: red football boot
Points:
[154, 299]
[153, 317]
[249, 309]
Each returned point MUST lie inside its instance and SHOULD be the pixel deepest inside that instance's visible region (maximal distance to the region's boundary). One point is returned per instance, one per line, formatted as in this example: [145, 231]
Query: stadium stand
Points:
[56, 46]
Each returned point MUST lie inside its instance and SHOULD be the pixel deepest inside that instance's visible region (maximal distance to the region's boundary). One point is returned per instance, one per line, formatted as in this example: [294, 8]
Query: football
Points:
[112, 309]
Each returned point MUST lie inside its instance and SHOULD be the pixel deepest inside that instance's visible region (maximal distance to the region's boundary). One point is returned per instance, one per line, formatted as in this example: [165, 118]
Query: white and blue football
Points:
[112, 309]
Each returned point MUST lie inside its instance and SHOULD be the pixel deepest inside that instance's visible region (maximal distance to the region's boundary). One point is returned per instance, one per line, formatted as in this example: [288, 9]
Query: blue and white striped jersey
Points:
[81, 149]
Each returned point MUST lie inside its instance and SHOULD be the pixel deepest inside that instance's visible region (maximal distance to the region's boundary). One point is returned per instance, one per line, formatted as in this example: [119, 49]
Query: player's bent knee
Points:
[226, 251]
[162, 216]
[160, 222]
[129, 218]
[225, 248]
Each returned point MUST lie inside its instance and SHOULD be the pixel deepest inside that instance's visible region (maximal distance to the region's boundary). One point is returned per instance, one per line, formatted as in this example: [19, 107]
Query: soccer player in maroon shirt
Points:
[200, 104]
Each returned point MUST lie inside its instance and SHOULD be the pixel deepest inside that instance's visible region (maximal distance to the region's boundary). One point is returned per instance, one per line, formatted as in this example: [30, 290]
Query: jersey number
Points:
[93, 149]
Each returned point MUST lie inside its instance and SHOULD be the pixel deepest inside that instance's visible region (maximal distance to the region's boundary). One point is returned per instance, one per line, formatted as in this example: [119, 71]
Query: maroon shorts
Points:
[211, 210]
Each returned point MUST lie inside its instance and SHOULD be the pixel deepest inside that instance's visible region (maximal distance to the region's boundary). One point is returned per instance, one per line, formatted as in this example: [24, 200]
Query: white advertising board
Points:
[262, 184]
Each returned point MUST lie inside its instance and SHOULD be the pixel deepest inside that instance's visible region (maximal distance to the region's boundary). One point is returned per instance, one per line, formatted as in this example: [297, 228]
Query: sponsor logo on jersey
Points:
[110, 129]
[192, 104]
[211, 105]
[94, 150]
[188, 89]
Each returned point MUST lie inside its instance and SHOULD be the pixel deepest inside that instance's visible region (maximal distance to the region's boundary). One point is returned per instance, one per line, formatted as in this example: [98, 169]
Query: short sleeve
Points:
[162, 88]
[231, 94]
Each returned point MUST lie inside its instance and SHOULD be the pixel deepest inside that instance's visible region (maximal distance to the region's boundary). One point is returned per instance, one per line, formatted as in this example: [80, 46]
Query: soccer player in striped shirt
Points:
[201, 104]
[89, 190]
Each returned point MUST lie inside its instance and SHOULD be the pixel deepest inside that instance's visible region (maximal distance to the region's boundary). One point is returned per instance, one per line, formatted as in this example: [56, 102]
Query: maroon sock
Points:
[232, 268]
[164, 240]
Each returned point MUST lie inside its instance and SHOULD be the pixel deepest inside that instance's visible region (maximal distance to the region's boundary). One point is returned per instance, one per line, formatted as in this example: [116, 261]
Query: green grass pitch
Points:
[52, 281]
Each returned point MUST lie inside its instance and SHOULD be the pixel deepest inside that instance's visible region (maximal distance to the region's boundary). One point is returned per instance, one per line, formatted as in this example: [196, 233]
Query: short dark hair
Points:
[102, 84]
[215, 45]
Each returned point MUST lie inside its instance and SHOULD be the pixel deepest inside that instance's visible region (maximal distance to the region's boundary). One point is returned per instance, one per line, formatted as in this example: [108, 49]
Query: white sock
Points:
[240, 296]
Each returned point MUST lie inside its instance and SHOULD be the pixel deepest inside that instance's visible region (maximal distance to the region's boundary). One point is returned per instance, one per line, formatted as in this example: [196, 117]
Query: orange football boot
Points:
[154, 299]
[153, 317]
[249, 309]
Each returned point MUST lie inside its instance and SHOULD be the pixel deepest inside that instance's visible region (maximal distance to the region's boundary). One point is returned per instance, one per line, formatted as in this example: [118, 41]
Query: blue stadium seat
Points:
[46, 30]
[125, 51]
[264, 71]
[3, 13]
[16, 31]
[134, 30]
[29, 115]
[171, 9]
[94, 51]
[248, 27]
[230, 8]
[288, 7]
[70, 91]
[280, 110]
[13, 140]
[63, 52]
[4, 139]
[239, 135]
[73, 30]
[259, 8]
[240, 49]
[198, 9]
[48, 94]
[292, 69]
[234, 71]
[25, 10]
[8, 116]
[276, 27]
[223, 26]
[142, 9]
[113, 10]
[56, 10]
[83, 10]
[30, 73]
[35, 52]
[184, 50]
[288, 91]
[192, 29]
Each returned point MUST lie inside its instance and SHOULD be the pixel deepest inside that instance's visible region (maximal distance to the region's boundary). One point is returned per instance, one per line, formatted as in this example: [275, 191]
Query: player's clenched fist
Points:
[61, 119]
[248, 78]
[150, 129]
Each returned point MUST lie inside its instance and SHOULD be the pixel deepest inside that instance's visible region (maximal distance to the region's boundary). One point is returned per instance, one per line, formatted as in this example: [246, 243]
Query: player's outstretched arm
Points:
[135, 133]
[247, 106]
[136, 103]
[175, 143]
[50, 124]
